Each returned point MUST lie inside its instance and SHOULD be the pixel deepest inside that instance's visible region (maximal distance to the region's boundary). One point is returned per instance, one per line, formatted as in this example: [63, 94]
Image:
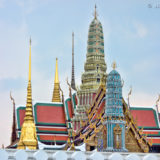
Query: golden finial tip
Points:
[114, 65]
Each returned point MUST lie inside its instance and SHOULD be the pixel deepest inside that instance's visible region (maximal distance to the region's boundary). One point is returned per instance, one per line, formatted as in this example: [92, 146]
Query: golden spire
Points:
[28, 138]
[56, 91]
[114, 65]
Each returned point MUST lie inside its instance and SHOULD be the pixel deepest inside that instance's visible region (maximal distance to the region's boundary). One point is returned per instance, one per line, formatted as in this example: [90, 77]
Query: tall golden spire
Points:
[28, 138]
[56, 91]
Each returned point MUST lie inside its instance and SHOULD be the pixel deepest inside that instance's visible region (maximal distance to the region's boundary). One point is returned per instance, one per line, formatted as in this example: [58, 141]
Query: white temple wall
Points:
[13, 154]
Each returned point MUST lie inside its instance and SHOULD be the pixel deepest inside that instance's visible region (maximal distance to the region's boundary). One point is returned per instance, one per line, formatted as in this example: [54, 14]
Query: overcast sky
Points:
[131, 38]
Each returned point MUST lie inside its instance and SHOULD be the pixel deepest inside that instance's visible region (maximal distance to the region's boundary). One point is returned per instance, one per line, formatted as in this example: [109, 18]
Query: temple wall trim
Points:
[14, 154]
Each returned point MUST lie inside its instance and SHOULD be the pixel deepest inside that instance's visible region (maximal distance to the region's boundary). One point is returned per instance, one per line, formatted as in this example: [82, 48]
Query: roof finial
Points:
[14, 132]
[95, 12]
[114, 65]
[128, 98]
[157, 101]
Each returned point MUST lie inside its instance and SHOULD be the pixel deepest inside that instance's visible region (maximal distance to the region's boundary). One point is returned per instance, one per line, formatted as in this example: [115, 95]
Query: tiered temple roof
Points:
[148, 120]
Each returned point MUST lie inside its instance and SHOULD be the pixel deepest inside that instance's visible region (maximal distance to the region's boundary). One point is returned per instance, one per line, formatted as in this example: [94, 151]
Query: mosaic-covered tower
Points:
[94, 69]
[115, 123]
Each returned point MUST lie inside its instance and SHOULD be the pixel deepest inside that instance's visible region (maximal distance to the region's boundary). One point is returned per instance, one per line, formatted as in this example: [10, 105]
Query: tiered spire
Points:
[14, 132]
[95, 66]
[28, 138]
[56, 91]
[73, 77]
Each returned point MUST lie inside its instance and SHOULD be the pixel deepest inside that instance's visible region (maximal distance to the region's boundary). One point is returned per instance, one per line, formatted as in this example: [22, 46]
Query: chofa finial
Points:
[157, 101]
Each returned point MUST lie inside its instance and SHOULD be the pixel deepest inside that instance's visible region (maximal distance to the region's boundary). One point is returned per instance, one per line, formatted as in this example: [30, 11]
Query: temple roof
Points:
[145, 117]
[50, 122]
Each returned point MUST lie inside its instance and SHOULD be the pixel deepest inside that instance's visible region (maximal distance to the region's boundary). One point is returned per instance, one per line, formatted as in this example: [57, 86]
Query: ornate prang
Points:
[14, 130]
[115, 123]
[73, 77]
[28, 137]
[94, 74]
[95, 66]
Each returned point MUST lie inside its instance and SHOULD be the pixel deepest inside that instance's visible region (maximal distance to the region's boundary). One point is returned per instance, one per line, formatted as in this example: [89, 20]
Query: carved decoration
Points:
[117, 136]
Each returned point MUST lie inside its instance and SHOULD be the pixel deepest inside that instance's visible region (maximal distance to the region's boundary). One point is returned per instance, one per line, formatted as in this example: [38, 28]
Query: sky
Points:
[131, 38]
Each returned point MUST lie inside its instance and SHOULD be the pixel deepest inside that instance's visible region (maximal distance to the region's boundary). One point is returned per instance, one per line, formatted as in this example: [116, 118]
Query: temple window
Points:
[98, 78]
[97, 67]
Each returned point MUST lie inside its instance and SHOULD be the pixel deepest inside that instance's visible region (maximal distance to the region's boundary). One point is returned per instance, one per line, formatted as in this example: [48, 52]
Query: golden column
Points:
[28, 138]
[56, 91]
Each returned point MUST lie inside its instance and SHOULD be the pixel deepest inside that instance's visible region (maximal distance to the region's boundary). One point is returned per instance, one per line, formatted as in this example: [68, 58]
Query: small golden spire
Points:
[56, 91]
[28, 138]
[114, 65]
